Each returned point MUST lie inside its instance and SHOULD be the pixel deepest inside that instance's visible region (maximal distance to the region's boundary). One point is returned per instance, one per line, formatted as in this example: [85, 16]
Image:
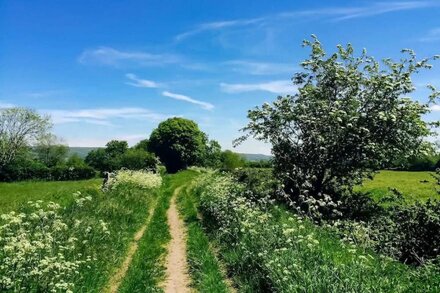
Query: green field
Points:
[411, 184]
[12, 195]
[232, 243]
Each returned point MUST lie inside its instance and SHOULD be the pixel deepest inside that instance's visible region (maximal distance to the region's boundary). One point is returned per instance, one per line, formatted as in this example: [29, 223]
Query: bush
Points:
[412, 232]
[269, 249]
[23, 168]
[407, 232]
[142, 179]
[137, 159]
[64, 172]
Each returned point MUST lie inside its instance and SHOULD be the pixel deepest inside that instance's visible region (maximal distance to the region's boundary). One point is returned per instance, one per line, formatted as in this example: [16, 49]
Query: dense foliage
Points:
[351, 116]
[117, 155]
[179, 143]
[26, 166]
[270, 249]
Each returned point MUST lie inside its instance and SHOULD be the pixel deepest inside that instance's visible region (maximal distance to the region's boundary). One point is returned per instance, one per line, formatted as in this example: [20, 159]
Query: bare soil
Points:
[178, 280]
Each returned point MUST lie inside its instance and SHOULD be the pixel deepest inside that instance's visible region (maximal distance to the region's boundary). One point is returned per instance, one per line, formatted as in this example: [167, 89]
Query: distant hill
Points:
[81, 151]
[256, 157]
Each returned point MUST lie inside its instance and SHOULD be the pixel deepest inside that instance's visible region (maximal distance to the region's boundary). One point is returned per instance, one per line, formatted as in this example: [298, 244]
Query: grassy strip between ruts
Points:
[147, 269]
[203, 265]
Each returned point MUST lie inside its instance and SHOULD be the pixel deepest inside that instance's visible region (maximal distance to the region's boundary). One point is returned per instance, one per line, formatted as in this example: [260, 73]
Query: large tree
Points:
[350, 117]
[178, 143]
[19, 128]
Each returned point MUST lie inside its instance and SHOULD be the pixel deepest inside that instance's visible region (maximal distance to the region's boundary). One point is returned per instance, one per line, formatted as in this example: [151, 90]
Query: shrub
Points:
[64, 172]
[272, 250]
[23, 167]
[137, 159]
[407, 232]
[411, 231]
[142, 179]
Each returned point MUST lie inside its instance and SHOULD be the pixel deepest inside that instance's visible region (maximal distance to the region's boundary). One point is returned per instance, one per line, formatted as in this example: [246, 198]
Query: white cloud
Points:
[113, 57]
[432, 36]
[277, 87]
[259, 68]
[102, 116]
[435, 108]
[332, 13]
[204, 105]
[4, 105]
[137, 82]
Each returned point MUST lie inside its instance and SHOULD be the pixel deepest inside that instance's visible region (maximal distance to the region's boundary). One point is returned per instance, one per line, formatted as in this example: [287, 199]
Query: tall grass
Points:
[203, 265]
[72, 248]
[267, 248]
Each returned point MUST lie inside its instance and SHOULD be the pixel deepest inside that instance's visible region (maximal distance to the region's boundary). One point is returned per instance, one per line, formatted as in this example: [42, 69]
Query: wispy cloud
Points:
[138, 82]
[212, 26]
[432, 36]
[204, 105]
[112, 57]
[373, 9]
[277, 87]
[331, 13]
[102, 116]
[259, 68]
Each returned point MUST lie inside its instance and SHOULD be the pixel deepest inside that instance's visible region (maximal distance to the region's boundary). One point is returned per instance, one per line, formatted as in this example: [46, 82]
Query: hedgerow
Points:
[268, 248]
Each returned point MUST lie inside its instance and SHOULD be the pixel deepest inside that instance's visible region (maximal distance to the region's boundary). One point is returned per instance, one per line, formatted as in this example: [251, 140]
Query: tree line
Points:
[28, 150]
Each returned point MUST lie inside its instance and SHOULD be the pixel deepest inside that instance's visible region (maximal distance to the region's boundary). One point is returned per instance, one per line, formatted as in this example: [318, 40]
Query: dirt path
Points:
[116, 280]
[178, 280]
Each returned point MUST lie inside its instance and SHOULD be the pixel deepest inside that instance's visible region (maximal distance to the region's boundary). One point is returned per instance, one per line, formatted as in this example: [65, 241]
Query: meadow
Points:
[238, 239]
[14, 194]
[420, 185]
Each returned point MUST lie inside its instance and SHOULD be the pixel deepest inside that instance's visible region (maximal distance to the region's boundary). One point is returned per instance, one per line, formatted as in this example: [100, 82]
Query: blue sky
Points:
[114, 69]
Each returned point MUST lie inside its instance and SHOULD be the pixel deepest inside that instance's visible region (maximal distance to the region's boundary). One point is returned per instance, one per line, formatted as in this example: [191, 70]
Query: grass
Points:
[269, 248]
[413, 185]
[123, 210]
[13, 195]
[147, 269]
[203, 265]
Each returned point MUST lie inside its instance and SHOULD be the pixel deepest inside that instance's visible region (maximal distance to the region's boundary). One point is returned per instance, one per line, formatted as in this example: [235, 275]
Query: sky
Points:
[114, 69]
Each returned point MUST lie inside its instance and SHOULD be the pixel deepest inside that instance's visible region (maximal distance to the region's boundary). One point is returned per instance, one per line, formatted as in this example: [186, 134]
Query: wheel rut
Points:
[177, 277]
